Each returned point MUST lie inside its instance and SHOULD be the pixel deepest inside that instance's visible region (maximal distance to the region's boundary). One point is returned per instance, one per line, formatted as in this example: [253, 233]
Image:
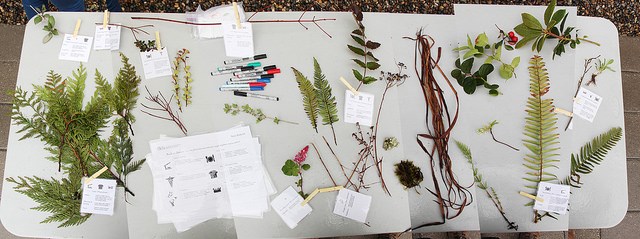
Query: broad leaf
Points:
[467, 65]
[356, 50]
[531, 22]
[358, 39]
[485, 70]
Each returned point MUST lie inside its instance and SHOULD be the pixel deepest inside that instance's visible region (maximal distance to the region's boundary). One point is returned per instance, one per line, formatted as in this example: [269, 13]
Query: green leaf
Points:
[515, 62]
[368, 80]
[470, 53]
[357, 75]
[359, 62]
[482, 40]
[309, 98]
[548, 12]
[457, 63]
[47, 38]
[506, 71]
[540, 44]
[531, 22]
[524, 42]
[469, 86]
[509, 48]
[358, 40]
[306, 167]
[52, 21]
[356, 50]
[373, 65]
[557, 17]
[526, 32]
[494, 92]
[467, 65]
[462, 48]
[592, 154]
[37, 20]
[485, 70]
[290, 168]
[469, 43]
[327, 105]
[457, 74]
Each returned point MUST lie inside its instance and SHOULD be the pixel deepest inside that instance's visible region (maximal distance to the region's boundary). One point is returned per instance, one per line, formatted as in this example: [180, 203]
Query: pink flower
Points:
[302, 155]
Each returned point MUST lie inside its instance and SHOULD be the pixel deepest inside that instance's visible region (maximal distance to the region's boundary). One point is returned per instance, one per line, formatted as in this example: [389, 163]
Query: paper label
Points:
[238, 42]
[352, 205]
[555, 196]
[156, 63]
[586, 104]
[107, 38]
[358, 108]
[288, 207]
[75, 49]
[98, 196]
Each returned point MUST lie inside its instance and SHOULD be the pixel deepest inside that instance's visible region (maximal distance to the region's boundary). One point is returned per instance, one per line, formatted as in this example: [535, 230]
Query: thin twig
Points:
[500, 142]
[325, 166]
[587, 67]
[337, 159]
[165, 106]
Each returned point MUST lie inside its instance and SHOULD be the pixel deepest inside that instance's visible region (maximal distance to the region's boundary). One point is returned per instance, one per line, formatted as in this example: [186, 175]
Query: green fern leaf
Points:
[309, 98]
[327, 105]
[591, 155]
[540, 127]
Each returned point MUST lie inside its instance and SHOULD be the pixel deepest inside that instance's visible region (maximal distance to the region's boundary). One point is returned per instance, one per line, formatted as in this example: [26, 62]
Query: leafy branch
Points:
[234, 109]
[489, 128]
[482, 184]
[591, 155]
[50, 23]
[368, 62]
[601, 66]
[532, 30]
[181, 60]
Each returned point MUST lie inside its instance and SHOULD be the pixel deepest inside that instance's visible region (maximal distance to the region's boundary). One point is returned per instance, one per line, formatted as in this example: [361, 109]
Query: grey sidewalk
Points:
[11, 39]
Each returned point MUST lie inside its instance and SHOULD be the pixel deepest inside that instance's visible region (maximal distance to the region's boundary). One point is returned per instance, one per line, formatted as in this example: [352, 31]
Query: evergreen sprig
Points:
[327, 105]
[309, 98]
[591, 155]
[71, 131]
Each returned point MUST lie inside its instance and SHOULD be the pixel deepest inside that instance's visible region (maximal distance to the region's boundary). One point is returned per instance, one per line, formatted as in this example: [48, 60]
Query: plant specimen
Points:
[368, 143]
[145, 46]
[317, 98]
[389, 143]
[234, 109]
[489, 128]
[591, 155]
[181, 60]
[439, 124]
[163, 105]
[410, 175]
[71, 132]
[323, 164]
[532, 30]
[481, 47]
[294, 167]
[587, 67]
[482, 184]
[368, 62]
[540, 126]
[601, 66]
[309, 98]
[50, 23]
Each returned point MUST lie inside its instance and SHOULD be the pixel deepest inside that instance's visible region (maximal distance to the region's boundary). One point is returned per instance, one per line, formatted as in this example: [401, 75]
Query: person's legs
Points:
[69, 5]
[114, 6]
[27, 4]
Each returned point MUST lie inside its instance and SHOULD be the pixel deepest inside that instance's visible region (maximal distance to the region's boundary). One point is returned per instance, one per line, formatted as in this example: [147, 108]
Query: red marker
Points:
[271, 71]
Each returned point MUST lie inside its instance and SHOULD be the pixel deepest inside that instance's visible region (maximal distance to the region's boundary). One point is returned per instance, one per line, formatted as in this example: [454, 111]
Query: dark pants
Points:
[64, 6]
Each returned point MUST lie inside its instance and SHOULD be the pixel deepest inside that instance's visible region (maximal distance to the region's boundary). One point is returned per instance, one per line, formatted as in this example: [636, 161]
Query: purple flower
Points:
[302, 155]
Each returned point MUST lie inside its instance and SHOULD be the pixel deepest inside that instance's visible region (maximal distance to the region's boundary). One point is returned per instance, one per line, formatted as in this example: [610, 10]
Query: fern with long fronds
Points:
[591, 155]
[327, 105]
[540, 126]
[309, 98]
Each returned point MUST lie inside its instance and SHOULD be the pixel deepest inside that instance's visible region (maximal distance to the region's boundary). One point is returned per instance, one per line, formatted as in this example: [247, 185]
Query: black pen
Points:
[254, 95]
[256, 57]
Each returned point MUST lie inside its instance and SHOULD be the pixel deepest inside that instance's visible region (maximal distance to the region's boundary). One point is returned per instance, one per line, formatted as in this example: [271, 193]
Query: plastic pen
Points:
[245, 68]
[266, 68]
[238, 68]
[254, 95]
[261, 84]
[256, 57]
[249, 74]
[252, 77]
[249, 81]
[242, 88]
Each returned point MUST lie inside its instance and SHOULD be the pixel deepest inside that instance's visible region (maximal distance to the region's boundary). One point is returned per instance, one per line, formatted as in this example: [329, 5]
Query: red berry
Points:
[514, 38]
[511, 34]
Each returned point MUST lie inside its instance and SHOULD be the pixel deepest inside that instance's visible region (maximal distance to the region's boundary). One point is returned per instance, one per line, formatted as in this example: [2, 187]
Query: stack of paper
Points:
[216, 175]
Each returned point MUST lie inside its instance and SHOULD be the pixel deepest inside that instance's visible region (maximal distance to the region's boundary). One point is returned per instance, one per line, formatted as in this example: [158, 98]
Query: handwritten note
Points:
[358, 108]
[75, 48]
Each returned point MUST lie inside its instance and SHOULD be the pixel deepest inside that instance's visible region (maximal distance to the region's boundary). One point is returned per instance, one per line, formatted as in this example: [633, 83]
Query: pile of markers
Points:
[249, 77]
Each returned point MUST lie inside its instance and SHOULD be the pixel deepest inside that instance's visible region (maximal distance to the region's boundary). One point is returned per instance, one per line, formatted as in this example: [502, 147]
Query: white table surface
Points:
[290, 45]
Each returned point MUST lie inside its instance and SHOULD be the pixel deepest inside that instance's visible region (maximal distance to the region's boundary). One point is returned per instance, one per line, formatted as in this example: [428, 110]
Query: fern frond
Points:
[327, 104]
[75, 87]
[591, 155]
[309, 98]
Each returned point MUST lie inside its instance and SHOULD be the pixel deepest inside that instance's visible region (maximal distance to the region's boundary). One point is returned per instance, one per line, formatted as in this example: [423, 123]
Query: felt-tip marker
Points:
[244, 68]
[254, 95]
[265, 76]
[242, 88]
[256, 57]
[249, 74]
[266, 68]
[238, 68]
[249, 81]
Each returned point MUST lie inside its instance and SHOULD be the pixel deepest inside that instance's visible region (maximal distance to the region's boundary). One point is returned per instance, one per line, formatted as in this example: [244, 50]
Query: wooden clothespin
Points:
[105, 19]
[235, 11]
[75, 31]
[562, 111]
[158, 44]
[531, 196]
[319, 190]
[95, 175]
[346, 83]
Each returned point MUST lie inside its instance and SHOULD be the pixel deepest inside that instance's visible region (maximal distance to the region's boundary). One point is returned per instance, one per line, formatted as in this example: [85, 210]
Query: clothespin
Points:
[235, 11]
[95, 175]
[319, 190]
[353, 90]
[531, 196]
[562, 111]
[158, 44]
[105, 19]
[75, 31]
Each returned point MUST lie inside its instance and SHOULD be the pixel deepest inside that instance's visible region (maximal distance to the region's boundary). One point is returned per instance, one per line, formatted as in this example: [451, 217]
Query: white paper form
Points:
[352, 205]
[75, 48]
[238, 41]
[98, 196]
[215, 14]
[586, 104]
[107, 38]
[358, 108]
[288, 207]
[156, 63]
[555, 198]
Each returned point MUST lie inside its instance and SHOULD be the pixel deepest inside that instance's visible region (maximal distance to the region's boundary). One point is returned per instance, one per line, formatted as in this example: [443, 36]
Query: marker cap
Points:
[261, 56]
[255, 64]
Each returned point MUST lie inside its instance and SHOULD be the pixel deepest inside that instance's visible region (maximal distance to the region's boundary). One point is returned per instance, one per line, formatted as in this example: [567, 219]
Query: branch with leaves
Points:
[235, 109]
[181, 60]
[482, 184]
[602, 65]
[368, 62]
[489, 128]
[50, 23]
[532, 30]
[161, 104]
[591, 155]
